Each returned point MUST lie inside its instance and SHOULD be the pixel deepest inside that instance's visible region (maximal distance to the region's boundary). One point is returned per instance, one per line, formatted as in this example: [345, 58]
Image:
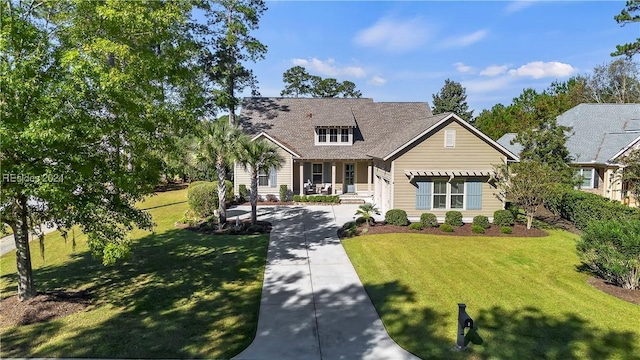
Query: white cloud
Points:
[465, 40]
[329, 68]
[394, 35]
[377, 81]
[462, 68]
[540, 69]
[482, 86]
[494, 70]
[516, 6]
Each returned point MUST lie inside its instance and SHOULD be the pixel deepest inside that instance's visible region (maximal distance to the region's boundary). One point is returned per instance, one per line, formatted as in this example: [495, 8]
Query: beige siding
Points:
[361, 177]
[283, 177]
[470, 153]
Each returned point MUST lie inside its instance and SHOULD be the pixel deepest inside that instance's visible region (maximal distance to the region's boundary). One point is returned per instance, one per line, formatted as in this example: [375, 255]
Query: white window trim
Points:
[593, 176]
[326, 136]
[448, 195]
[450, 138]
[263, 174]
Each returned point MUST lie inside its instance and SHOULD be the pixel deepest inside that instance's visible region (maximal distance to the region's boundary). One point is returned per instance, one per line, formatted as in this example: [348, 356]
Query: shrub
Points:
[242, 192]
[336, 199]
[612, 250]
[428, 220]
[284, 193]
[189, 218]
[453, 218]
[446, 228]
[255, 229]
[296, 198]
[320, 198]
[360, 220]
[272, 198]
[396, 217]
[477, 229]
[350, 229]
[481, 221]
[416, 226]
[581, 207]
[304, 198]
[506, 230]
[198, 183]
[503, 218]
[203, 198]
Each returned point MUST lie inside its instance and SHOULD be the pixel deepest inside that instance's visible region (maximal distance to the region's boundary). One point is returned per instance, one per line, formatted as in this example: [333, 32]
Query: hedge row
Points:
[202, 196]
[317, 198]
[581, 207]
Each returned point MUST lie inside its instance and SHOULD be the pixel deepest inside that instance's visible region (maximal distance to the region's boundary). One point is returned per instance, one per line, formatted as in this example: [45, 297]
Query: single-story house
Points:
[394, 154]
[600, 135]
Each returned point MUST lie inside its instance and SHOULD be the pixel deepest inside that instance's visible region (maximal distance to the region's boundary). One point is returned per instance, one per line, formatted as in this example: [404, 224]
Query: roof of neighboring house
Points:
[383, 125]
[506, 141]
[599, 132]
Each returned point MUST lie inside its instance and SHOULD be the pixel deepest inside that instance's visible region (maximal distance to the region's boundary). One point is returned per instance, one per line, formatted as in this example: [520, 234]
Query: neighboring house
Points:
[395, 154]
[600, 135]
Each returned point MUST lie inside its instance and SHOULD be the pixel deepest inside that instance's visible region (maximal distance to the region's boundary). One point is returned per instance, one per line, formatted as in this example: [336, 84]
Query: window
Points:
[263, 178]
[587, 176]
[322, 135]
[457, 194]
[450, 138]
[344, 135]
[333, 135]
[439, 194]
[316, 173]
[448, 195]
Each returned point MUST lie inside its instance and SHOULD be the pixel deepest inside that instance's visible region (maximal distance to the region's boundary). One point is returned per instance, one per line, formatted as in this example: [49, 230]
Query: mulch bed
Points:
[632, 296]
[229, 228]
[44, 307]
[465, 230]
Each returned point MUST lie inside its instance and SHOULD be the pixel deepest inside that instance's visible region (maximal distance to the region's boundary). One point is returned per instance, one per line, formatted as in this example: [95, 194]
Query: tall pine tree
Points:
[452, 98]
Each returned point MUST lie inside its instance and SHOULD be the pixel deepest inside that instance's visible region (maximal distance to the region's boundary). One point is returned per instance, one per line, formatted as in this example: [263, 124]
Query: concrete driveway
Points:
[313, 304]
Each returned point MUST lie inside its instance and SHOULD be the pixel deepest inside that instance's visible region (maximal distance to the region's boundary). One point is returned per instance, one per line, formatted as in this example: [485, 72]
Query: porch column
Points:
[333, 177]
[369, 178]
[301, 174]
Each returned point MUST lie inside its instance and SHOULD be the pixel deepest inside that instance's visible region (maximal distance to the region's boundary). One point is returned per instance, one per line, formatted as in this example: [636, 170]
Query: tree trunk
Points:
[254, 197]
[26, 287]
[529, 221]
[222, 192]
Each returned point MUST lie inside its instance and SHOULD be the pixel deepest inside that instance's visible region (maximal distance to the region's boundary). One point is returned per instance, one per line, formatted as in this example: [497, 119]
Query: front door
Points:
[349, 177]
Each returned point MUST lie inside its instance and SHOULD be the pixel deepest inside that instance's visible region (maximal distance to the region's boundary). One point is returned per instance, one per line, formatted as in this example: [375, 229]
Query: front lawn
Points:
[526, 296]
[180, 295]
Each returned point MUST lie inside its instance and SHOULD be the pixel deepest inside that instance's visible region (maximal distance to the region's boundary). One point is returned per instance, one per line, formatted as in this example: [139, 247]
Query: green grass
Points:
[526, 296]
[180, 294]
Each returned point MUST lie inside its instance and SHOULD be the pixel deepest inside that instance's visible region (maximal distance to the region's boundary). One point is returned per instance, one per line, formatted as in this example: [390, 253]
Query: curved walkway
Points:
[313, 304]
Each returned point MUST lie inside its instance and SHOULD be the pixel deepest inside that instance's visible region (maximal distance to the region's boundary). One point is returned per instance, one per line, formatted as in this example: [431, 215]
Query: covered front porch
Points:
[349, 177]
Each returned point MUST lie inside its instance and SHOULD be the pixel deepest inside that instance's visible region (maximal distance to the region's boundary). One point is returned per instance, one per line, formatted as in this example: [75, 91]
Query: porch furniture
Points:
[309, 189]
[326, 190]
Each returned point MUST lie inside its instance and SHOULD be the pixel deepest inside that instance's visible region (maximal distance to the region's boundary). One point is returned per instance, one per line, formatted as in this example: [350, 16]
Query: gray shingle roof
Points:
[599, 131]
[380, 128]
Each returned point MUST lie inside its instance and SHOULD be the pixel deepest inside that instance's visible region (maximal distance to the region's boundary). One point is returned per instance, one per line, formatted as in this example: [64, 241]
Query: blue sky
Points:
[403, 51]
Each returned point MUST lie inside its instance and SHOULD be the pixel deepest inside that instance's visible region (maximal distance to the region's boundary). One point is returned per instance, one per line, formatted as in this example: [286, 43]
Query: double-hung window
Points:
[333, 135]
[439, 194]
[263, 178]
[344, 135]
[316, 173]
[322, 135]
[587, 175]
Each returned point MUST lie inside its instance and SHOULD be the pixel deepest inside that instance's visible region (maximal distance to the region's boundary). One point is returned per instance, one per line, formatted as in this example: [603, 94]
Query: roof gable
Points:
[433, 128]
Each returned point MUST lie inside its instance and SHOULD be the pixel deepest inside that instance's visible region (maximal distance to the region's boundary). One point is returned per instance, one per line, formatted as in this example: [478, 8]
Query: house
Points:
[600, 135]
[395, 154]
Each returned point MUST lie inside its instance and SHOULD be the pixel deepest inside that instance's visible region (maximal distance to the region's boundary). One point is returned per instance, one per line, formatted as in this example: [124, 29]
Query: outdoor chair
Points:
[326, 190]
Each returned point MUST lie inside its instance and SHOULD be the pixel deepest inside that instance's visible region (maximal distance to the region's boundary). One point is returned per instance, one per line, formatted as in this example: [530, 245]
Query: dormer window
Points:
[337, 135]
[333, 135]
[322, 135]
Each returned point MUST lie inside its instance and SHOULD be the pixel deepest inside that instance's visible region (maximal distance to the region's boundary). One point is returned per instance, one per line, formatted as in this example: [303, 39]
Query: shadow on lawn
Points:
[498, 333]
[180, 295]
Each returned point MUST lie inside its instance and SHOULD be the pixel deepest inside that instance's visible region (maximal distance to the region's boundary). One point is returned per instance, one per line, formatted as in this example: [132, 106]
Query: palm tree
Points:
[256, 156]
[366, 210]
[219, 146]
